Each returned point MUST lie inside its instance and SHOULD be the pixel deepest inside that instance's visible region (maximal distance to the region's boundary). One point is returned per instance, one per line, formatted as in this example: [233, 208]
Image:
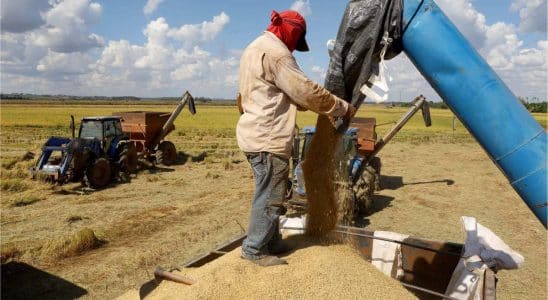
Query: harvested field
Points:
[166, 216]
[314, 271]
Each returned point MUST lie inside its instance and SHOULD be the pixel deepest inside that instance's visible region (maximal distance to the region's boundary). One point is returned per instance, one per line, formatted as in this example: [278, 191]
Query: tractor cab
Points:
[108, 130]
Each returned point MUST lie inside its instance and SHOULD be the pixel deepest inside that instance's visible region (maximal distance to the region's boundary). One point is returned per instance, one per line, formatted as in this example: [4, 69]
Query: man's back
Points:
[269, 116]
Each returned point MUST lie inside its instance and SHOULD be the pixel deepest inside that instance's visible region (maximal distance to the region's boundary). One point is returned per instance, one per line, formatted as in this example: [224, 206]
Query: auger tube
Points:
[513, 139]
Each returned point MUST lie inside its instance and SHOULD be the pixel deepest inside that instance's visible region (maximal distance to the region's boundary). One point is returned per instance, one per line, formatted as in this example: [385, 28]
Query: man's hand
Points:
[350, 112]
[301, 108]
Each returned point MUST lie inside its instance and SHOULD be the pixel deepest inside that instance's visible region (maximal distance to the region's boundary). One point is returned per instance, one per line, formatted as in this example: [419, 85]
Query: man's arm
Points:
[305, 92]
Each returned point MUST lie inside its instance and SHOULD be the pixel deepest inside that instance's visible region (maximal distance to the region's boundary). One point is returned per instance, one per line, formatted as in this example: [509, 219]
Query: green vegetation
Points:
[534, 106]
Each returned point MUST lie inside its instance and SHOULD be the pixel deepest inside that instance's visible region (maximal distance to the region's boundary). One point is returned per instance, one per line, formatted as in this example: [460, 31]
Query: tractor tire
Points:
[128, 159]
[98, 174]
[376, 165]
[363, 190]
[78, 165]
[346, 206]
[166, 154]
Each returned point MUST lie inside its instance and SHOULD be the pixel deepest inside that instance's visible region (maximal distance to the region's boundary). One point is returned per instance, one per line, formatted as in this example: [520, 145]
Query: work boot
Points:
[267, 261]
[280, 247]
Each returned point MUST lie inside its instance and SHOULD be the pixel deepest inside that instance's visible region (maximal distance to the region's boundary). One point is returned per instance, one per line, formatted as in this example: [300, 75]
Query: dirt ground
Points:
[169, 215]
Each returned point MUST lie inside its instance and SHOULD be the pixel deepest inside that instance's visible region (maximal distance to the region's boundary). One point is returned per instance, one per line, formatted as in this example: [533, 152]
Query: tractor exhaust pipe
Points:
[72, 126]
[187, 98]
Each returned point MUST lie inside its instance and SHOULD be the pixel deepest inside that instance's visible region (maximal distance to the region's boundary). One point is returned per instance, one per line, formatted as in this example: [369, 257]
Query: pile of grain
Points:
[319, 169]
[313, 272]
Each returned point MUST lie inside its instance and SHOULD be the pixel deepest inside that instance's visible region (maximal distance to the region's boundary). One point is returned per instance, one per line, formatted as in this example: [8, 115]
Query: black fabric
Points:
[356, 53]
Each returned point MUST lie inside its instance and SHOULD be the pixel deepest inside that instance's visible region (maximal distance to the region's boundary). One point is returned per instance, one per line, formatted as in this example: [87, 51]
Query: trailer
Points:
[424, 267]
[109, 147]
[147, 131]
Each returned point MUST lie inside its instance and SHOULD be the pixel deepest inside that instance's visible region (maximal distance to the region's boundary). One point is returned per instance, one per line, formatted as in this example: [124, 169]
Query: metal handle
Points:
[159, 272]
[418, 103]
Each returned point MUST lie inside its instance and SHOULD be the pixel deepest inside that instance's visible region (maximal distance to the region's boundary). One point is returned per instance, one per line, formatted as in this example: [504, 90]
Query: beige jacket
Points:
[271, 85]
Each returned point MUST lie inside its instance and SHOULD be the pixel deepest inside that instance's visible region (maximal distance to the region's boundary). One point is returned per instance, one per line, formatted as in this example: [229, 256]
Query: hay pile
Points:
[313, 272]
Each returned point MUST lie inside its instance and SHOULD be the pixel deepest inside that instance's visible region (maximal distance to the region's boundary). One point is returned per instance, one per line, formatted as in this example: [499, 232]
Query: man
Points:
[272, 88]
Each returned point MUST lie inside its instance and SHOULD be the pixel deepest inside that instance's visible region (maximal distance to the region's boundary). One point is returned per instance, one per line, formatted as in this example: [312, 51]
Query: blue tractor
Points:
[110, 147]
[101, 153]
[359, 165]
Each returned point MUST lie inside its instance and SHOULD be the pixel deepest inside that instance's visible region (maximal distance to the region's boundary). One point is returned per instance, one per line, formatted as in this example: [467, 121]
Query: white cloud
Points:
[50, 48]
[22, 15]
[19, 55]
[532, 14]
[151, 6]
[158, 51]
[319, 73]
[12, 48]
[303, 7]
[56, 64]
[68, 25]
[522, 69]
[63, 56]
[162, 66]
[194, 34]
[469, 21]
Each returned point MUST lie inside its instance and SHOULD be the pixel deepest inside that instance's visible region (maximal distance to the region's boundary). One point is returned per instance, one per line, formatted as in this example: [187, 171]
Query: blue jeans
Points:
[271, 173]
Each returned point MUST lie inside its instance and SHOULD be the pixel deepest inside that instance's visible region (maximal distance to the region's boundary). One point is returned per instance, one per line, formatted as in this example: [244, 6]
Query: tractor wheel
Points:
[128, 159]
[98, 174]
[363, 190]
[166, 154]
[376, 165]
[346, 206]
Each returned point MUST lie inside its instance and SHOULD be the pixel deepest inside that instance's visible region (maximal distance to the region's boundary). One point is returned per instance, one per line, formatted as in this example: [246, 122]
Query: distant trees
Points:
[433, 104]
[531, 104]
[534, 105]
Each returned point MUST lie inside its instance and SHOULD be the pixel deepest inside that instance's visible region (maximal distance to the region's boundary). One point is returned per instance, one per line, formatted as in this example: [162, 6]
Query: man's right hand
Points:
[350, 112]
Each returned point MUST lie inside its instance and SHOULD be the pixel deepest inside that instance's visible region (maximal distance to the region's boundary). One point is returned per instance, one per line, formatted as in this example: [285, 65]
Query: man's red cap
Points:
[290, 27]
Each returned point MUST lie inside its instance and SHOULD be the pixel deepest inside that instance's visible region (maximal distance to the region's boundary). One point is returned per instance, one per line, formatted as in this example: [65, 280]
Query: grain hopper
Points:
[147, 130]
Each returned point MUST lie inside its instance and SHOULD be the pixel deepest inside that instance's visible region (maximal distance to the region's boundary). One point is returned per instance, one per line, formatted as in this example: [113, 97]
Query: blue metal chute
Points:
[479, 98]
[54, 143]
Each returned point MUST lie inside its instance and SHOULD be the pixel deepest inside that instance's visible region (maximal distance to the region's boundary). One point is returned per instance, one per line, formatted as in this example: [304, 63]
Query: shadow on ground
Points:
[183, 158]
[23, 281]
[301, 241]
[380, 202]
[396, 182]
[82, 189]
[148, 287]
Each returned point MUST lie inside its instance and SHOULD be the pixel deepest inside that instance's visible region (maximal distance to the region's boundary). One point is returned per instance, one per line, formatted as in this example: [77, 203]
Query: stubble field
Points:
[165, 216]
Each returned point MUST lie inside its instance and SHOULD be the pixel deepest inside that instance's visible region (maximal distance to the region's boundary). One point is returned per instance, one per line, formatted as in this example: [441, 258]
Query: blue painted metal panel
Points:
[54, 143]
[479, 98]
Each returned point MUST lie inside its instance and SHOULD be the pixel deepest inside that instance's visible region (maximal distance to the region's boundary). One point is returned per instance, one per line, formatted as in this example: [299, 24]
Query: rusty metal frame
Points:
[428, 265]
[218, 252]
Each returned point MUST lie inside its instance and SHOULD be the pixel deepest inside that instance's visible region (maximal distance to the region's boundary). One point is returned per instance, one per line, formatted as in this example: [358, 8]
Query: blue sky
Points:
[162, 47]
